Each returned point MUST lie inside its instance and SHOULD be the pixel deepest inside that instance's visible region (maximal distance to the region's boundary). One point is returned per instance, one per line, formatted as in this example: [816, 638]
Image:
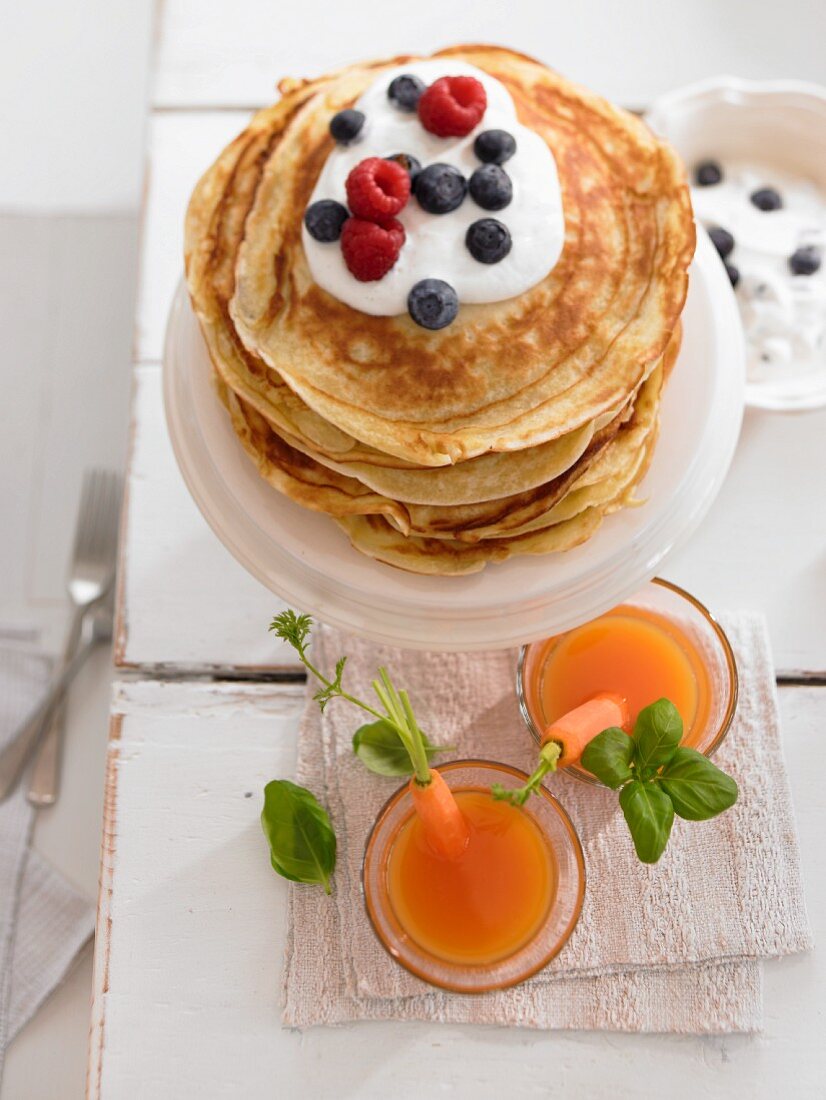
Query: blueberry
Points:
[490, 187]
[733, 274]
[488, 241]
[405, 91]
[722, 241]
[494, 146]
[707, 173]
[432, 303]
[346, 126]
[324, 219]
[409, 163]
[440, 188]
[766, 199]
[805, 260]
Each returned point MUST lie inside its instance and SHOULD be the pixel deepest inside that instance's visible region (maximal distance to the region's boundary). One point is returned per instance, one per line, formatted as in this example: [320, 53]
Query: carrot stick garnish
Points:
[443, 822]
[574, 730]
[564, 741]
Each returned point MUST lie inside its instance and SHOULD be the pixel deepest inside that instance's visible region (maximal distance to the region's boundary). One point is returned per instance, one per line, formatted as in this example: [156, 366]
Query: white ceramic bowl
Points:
[777, 122]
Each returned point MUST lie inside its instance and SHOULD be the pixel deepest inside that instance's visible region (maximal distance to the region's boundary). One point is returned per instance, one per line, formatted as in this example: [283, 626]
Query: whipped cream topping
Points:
[435, 244]
[784, 315]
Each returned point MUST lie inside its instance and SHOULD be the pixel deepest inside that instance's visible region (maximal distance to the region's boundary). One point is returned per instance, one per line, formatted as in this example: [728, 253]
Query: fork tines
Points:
[96, 534]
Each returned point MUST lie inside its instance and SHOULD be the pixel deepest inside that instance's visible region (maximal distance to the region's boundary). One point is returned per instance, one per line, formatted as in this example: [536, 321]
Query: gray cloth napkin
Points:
[43, 921]
[673, 947]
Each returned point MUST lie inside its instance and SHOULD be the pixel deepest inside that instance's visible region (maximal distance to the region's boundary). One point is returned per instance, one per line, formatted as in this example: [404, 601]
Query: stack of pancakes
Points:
[516, 429]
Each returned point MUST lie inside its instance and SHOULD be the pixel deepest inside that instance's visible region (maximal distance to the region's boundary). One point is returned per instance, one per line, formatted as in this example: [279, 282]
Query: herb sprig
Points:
[301, 838]
[393, 744]
[657, 777]
[548, 756]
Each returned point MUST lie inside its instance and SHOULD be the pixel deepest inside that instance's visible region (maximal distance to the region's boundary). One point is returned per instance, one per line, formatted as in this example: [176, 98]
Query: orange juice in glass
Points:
[494, 916]
[661, 643]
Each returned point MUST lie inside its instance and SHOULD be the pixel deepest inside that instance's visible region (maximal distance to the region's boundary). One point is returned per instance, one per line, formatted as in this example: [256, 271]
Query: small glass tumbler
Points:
[565, 852]
[701, 629]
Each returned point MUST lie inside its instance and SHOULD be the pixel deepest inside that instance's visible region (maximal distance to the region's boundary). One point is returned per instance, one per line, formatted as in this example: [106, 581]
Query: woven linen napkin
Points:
[43, 921]
[674, 947]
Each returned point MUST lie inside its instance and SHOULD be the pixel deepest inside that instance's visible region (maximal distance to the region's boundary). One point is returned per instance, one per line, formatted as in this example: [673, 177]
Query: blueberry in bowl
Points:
[708, 173]
[805, 260]
[722, 241]
[766, 198]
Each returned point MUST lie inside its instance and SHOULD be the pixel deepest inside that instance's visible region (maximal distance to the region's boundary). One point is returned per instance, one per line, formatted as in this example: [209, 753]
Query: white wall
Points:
[233, 51]
[73, 89]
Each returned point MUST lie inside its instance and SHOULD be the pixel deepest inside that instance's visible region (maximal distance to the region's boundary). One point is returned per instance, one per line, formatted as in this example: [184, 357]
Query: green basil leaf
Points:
[608, 756]
[657, 733]
[301, 838]
[382, 751]
[650, 815]
[697, 788]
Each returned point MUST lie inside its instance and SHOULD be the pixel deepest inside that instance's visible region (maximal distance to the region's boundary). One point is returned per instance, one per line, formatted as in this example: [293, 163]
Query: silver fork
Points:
[91, 577]
[95, 627]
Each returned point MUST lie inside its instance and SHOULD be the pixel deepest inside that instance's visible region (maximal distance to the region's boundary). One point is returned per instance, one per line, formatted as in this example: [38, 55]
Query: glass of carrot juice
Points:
[662, 642]
[496, 915]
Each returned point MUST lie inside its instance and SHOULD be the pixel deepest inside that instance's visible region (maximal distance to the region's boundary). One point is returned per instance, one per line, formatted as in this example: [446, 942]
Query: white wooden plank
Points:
[631, 52]
[185, 601]
[762, 544]
[191, 934]
[180, 149]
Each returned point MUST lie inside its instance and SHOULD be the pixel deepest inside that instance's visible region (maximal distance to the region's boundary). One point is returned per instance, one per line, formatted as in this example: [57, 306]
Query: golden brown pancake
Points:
[374, 536]
[504, 375]
[515, 429]
[615, 453]
[215, 223]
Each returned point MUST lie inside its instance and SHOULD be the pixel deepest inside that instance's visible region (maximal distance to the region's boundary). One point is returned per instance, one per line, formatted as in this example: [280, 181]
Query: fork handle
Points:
[44, 781]
[14, 756]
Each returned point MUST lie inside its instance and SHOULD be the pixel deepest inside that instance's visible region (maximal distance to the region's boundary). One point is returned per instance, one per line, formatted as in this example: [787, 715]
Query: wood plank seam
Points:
[121, 631]
[103, 927]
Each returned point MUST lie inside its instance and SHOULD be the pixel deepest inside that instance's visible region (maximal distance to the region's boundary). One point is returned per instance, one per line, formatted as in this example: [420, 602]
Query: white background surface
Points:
[630, 51]
[72, 78]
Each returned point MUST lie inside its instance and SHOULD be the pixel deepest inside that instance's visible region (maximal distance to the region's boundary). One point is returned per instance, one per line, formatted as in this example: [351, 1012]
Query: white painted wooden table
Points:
[191, 925]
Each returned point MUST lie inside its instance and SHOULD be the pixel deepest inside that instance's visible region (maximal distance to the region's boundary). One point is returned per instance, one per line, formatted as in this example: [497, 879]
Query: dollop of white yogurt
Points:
[435, 247]
[784, 315]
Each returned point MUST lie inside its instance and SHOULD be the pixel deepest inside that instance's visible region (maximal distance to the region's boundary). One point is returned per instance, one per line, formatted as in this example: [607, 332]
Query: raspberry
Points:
[377, 189]
[369, 249]
[452, 106]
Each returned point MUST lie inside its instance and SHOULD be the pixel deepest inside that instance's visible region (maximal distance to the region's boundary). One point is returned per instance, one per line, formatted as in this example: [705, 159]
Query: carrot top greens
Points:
[392, 745]
[656, 777]
[298, 829]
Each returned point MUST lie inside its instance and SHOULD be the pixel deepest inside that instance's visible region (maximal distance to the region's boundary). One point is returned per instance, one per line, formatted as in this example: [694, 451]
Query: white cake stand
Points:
[305, 559]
